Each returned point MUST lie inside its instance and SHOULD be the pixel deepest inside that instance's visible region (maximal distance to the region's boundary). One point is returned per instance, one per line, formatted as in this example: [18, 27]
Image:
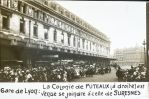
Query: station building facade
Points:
[39, 30]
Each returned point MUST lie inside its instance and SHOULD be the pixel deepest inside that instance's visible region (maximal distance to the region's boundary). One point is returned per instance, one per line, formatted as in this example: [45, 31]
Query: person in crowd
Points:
[65, 76]
[120, 74]
[28, 77]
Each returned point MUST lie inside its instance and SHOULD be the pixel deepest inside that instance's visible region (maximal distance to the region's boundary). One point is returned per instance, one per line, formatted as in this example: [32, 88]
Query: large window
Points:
[46, 33]
[74, 41]
[69, 35]
[79, 42]
[35, 30]
[87, 45]
[62, 39]
[93, 46]
[22, 26]
[5, 21]
[90, 45]
[55, 35]
[97, 48]
[83, 43]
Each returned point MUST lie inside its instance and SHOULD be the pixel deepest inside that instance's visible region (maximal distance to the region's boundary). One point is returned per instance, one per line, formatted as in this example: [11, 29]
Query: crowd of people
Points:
[134, 74]
[68, 73]
[50, 73]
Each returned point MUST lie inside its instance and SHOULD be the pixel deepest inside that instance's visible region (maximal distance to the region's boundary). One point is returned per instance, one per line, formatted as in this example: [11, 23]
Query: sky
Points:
[124, 22]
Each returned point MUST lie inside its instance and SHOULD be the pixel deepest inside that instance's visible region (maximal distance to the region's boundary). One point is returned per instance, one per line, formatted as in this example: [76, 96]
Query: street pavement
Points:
[109, 77]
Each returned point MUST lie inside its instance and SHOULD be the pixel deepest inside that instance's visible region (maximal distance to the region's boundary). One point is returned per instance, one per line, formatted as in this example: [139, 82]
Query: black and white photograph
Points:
[73, 41]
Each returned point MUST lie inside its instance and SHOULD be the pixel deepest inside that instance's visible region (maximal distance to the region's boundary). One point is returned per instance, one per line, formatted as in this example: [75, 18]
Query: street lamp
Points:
[144, 43]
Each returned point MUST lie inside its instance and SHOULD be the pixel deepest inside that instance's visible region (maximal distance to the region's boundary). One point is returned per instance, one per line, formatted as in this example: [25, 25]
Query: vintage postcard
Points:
[74, 49]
